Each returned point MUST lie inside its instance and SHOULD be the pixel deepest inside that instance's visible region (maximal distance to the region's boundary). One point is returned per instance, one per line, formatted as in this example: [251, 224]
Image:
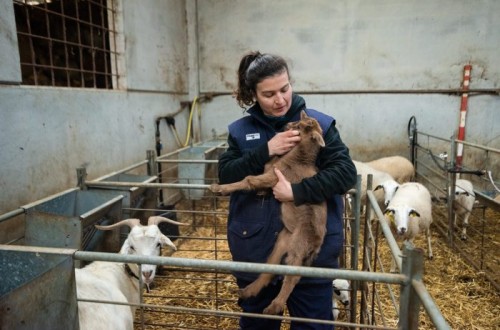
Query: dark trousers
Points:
[307, 300]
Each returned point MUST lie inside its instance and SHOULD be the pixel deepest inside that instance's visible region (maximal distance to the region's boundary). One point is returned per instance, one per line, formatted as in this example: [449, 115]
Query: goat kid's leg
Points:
[263, 280]
[251, 182]
[278, 303]
[298, 252]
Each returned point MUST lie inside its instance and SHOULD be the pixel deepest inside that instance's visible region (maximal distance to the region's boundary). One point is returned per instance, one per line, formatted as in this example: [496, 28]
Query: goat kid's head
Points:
[309, 128]
[145, 241]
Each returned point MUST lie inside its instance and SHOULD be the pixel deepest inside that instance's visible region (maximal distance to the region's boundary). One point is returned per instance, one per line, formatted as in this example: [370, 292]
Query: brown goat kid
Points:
[304, 226]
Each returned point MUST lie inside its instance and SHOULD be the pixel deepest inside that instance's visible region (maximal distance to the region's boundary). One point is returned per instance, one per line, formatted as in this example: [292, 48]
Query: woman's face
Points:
[274, 95]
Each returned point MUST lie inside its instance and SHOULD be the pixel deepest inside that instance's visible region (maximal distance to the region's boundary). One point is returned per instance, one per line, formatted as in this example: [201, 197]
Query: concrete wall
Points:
[356, 60]
[364, 62]
[47, 132]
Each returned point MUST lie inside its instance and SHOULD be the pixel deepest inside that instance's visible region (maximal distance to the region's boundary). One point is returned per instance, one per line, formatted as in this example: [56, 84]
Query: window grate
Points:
[66, 42]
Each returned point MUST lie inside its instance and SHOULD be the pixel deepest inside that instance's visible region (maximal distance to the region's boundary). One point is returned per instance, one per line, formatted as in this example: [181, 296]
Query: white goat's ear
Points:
[378, 187]
[125, 249]
[318, 138]
[164, 240]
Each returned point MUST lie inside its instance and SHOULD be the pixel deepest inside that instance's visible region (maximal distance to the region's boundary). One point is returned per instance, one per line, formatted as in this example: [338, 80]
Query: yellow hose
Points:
[190, 121]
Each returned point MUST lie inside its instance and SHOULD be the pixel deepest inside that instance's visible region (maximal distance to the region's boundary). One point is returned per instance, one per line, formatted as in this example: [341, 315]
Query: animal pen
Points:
[194, 288]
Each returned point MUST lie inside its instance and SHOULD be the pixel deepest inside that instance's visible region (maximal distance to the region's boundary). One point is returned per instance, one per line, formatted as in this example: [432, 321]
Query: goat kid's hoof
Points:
[242, 293]
[273, 309]
[215, 188]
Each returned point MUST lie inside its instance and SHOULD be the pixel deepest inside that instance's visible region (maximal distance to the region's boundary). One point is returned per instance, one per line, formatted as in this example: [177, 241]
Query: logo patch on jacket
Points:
[253, 136]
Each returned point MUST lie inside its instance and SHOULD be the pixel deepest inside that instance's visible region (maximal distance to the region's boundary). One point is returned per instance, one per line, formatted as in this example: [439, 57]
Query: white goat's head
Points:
[144, 240]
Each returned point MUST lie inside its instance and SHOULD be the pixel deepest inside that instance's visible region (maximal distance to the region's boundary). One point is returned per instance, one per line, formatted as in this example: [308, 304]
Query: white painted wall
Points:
[173, 49]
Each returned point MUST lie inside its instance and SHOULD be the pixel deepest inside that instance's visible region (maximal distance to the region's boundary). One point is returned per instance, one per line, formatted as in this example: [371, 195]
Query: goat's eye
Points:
[132, 248]
[337, 292]
[158, 245]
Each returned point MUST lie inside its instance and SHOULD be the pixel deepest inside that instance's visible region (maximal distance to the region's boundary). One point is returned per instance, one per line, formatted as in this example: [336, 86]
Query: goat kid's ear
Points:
[303, 114]
[378, 187]
[164, 240]
[319, 138]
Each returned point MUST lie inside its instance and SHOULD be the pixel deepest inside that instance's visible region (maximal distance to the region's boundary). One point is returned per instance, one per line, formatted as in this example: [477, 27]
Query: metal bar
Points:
[243, 267]
[454, 91]
[196, 161]
[11, 214]
[126, 169]
[430, 306]
[146, 185]
[393, 245]
[101, 207]
[43, 200]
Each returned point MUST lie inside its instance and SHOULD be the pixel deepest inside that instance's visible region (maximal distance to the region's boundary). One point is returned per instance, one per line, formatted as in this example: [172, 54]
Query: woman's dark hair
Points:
[255, 67]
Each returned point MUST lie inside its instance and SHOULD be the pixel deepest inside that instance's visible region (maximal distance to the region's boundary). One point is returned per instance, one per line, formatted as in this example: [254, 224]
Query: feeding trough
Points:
[38, 289]
[201, 170]
[67, 220]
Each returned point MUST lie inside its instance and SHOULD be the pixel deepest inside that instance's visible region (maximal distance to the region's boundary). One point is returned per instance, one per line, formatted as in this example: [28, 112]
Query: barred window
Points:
[66, 43]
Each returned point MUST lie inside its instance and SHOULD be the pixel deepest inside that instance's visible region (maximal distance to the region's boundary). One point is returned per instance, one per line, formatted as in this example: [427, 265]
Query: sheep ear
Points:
[319, 139]
[164, 240]
[414, 213]
[389, 213]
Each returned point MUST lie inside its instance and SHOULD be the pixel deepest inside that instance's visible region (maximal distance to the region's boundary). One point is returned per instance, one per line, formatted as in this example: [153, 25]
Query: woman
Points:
[254, 220]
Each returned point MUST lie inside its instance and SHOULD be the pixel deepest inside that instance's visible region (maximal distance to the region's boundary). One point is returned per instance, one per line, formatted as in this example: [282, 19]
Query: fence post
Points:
[409, 304]
[355, 248]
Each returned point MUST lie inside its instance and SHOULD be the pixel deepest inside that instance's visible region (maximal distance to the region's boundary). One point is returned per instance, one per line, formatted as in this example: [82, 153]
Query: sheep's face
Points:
[390, 187]
[400, 218]
[341, 291]
[146, 241]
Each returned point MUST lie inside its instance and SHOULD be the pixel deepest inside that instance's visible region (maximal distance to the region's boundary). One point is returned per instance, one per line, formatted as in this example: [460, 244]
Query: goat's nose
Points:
[402, 230]
[345, 303]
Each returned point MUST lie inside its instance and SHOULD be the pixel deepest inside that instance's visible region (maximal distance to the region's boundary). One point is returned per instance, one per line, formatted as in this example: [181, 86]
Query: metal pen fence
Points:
[436, 168]
[200, 288]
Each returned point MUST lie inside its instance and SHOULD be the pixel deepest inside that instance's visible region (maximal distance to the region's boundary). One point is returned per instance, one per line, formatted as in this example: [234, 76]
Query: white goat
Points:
[119, 282]
[463, 204]
[341, 292]
[400, 168]
[409, 213]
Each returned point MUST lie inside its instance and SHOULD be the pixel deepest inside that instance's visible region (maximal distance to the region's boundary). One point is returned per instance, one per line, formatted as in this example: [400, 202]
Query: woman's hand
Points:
[283, 142]
[283, 189]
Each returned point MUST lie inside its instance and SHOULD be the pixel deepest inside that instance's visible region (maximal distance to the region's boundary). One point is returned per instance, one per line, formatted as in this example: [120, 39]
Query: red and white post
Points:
[463, 113]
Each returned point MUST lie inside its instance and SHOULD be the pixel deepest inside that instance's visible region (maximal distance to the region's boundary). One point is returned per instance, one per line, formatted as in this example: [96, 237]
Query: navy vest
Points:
[255, 221]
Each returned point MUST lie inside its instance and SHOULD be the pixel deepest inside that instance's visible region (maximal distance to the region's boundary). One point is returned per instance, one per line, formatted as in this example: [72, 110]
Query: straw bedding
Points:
[464, 296]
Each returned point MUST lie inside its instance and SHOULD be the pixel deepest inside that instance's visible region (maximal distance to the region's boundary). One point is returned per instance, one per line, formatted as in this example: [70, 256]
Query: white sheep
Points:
[409, 213]
[463, 203]
[400, 168]
[341, 292]
[119, 282]
[380, 180]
